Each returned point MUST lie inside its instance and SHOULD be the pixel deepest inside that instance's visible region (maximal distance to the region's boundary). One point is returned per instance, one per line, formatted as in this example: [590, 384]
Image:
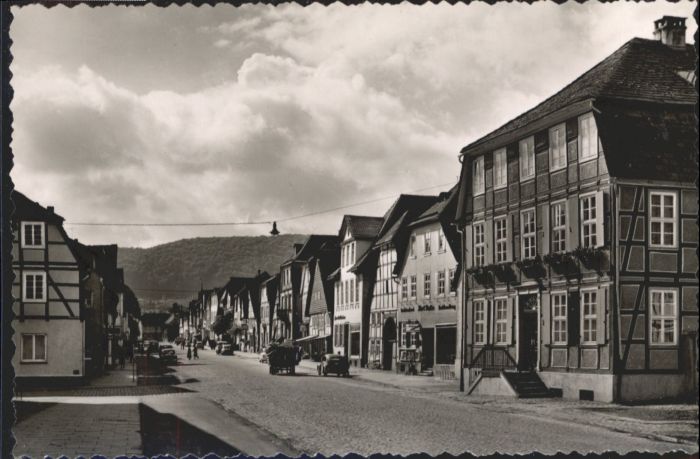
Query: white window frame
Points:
[404, 288]
[480, 322]
[32, 245]
[500, 322]
[427, 285]
[663, 317]
[478, 176]
[526, 153]
[500, 169]
[414, 286]
[451, 276]
[479, 244]
[441, 241]
[590, 239]
[663, 219]
[529, 236]
[412, 246]
[500, 236]
[589, 318]
[427, 243]
[34, 359]
[560, 317]
[25, 298]
[588, 144]
[441, 283]
[558, 239]
[557, 147]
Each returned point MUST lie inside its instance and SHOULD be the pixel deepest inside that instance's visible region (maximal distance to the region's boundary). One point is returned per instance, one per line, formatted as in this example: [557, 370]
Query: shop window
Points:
[662, 219]
[663, 317]
[559, 319]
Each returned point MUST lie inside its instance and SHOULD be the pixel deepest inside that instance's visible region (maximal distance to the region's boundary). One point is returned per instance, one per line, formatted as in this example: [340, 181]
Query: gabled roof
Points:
[27, 209]
[361, 227]
[641, 70]
[434, 212]
[311, 246]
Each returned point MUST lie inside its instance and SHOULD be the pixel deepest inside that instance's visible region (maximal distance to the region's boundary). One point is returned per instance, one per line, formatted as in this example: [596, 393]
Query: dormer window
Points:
[33, 235]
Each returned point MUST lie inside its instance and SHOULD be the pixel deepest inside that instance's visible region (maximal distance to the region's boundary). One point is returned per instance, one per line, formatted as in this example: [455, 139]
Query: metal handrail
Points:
[493, 358]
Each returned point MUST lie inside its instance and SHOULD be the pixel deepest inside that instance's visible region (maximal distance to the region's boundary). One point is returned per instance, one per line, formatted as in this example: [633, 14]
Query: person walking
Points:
[122, 357]
[189, 352]
[194, 353]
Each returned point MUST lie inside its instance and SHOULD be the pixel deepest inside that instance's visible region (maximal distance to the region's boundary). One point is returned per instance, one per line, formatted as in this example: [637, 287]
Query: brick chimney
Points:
[670, 30]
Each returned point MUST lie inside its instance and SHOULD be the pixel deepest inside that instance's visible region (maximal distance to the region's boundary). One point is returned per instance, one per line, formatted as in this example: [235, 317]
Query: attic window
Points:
[33, 235]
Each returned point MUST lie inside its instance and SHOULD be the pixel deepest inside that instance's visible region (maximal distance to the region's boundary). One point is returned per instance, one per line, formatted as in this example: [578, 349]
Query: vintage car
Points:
[167, 354]
[332, 363]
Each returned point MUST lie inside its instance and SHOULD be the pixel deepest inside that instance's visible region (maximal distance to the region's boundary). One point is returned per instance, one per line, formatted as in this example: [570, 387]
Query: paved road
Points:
[336, 415]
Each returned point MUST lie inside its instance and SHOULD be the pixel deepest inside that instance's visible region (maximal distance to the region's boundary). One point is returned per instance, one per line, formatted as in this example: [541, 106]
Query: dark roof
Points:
[361, 227]
[641, 70]
[27, 209]
[391, 232]
[311, 246]
[434, 212]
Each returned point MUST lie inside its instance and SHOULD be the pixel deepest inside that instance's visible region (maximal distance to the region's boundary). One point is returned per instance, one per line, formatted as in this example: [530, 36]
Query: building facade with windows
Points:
[268, 301]
[49, 327]
[579, 235]
[352, 291]
[428, 298]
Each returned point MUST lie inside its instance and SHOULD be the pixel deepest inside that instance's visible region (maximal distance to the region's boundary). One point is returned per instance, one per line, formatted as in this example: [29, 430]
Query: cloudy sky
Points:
[257, 113]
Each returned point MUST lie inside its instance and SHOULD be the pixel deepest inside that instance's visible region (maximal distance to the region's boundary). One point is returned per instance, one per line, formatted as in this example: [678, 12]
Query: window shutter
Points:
[509, 325]
[572, 223]
[509, 238]
[601, 316]
[599, 219]
[573, 318]
[468, 249]
[543, 243]
[488, 235]
[546, 318]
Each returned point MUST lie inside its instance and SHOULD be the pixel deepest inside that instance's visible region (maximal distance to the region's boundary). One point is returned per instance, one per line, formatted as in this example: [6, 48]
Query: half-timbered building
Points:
[580, 236]
[268, 302]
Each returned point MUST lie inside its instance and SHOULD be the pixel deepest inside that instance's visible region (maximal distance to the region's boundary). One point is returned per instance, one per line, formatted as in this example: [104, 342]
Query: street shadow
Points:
[25, 410]
[163, 434]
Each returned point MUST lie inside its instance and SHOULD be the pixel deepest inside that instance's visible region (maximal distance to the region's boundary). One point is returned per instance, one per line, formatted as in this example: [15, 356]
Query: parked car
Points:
[226, 349]
[263, 357]
[332, 363]
[167, 354]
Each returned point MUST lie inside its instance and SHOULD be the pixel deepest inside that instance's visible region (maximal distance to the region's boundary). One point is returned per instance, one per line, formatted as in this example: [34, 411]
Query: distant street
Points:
[336, 415]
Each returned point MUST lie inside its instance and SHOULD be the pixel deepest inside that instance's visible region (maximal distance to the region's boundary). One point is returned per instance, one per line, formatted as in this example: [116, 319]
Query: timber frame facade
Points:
[579, 222]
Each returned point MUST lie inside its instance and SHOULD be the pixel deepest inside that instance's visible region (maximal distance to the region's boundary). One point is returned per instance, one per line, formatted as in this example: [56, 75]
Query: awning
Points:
[305, 339]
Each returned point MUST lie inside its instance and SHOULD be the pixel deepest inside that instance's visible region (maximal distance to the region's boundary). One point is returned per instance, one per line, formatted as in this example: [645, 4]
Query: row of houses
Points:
[563, 262]
[73, 314]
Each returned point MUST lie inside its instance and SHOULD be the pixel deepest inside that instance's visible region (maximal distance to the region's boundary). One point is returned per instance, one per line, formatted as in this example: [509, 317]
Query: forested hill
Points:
[175, 270]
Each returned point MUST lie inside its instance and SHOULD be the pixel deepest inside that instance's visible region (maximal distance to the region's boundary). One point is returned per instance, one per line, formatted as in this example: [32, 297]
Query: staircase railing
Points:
[493, 358]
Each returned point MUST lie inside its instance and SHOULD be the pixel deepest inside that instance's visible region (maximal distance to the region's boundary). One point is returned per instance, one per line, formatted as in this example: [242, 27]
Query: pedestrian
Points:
[195, 354]
[189, 352]
[122, 357]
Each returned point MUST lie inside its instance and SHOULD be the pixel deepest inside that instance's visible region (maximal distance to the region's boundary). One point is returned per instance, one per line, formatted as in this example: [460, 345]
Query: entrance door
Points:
[428, 346]
[388, 340]
[346, 340]
[527, 333]
[446, 345]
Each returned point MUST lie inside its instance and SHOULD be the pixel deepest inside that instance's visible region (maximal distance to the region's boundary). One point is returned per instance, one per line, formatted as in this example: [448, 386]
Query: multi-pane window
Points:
[557, 147]
[427, 242]
[501, 239]
[590, 316]
[33, 347]
[426, 285]
[501, 315]
[559, 305]
[357, 290]
[587, 137]
[412, 246]
[414, 286]
[558, 227]
[441, 283]
[478, 176]
[588, 221]
[479, 322]
[479, 245]
[352, 253]
[662, 221]
[451, 279]
[404, 288]
[441, 240]
[526, 148]
[34, 286]
[663, 316]
[32, 234]
[500, 168]
[529, 232]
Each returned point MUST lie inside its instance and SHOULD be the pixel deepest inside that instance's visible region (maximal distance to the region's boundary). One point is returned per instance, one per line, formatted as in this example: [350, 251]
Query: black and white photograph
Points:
[268, 229]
